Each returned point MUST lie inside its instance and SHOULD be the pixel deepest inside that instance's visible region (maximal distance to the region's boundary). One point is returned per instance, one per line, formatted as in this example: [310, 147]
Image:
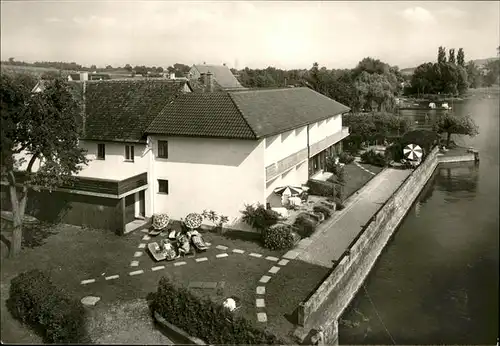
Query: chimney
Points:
[210, 81]
[84, 76]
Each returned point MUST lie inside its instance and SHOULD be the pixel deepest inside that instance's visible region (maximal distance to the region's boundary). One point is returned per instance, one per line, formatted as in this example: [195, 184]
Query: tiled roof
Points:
[122, 109]
[222, 74]
[243, 114]
[198, 86]
[211, 114]
[272, 111]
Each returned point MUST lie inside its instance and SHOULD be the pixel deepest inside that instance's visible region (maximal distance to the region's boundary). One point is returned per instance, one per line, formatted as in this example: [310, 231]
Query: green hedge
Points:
[321, 188]
[373, 158]
[204, 318]
[346, 158]
[278, 237]
[37, 302]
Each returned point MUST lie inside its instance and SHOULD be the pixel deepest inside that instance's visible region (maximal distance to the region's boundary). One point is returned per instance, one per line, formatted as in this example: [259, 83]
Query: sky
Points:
[257, 34]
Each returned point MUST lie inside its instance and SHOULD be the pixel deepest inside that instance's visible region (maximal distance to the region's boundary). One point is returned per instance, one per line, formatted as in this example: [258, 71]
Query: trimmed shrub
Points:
[305, 225]
[324, 210]
[346, 158]
[259, 217]
[278, 237]
[329, 205]
[320, 216]
[205, 319]
[394, 152]
[37, 302]
[373, 158]
[321, 188]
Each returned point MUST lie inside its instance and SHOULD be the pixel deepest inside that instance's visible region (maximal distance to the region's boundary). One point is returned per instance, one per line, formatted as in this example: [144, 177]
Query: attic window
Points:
[129, 153]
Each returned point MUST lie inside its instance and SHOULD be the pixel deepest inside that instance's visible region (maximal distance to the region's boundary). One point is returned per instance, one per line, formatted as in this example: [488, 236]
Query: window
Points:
[129, 153]
[163, 186]
[163, 149]
[101, 151]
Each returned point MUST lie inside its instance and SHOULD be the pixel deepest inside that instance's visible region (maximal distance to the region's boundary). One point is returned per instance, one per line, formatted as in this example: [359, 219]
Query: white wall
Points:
[114, 165]
[285, 144]
[295, 176]
[322, 129]
[217, 174]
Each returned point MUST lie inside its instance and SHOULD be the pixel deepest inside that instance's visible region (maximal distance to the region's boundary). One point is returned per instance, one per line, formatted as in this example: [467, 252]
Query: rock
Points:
[90, 300]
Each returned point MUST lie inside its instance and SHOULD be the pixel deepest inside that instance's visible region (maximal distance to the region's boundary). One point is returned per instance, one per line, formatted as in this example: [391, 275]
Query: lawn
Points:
[356, 177]
[72, 254]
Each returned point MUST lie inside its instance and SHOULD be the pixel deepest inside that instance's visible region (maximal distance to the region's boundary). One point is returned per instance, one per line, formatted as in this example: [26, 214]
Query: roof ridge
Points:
[242, 115]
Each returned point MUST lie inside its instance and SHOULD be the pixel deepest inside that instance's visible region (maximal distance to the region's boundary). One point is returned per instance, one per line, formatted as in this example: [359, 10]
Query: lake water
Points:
[437, 280]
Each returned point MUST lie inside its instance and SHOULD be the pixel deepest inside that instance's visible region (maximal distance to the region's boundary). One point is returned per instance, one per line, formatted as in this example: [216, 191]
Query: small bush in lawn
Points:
[259, 217]
[206, 319]
[278, 237]
[305, 225]
[373, 158]
[345, 158]
[324, 210]
[36, 301]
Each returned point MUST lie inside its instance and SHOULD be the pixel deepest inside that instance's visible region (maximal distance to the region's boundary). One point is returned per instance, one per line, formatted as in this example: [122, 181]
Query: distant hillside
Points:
[479, 62]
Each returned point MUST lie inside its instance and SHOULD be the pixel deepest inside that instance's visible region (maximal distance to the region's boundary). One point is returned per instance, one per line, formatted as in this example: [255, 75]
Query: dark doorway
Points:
[142, 204]
[130, 208]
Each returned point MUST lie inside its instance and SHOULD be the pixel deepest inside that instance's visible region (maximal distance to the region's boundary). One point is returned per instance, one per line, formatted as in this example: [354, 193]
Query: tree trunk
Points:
[448, 139]
[18, 208]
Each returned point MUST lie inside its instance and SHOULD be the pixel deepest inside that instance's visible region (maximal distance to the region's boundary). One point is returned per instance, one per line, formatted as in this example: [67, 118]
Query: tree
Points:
[109, 67]
[11, 60]
[159, 69]
[452, 124]
[474, 75]
[39, 127]
[128, 68]
[451, 58]
[492, 72]
[441, 55]
[93, 67]
[461, 57]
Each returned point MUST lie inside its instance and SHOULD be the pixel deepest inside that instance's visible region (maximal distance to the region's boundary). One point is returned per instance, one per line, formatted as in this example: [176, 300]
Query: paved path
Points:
[334, 240]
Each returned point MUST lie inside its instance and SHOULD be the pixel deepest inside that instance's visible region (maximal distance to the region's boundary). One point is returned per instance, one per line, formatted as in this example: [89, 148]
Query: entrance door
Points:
[129, 208]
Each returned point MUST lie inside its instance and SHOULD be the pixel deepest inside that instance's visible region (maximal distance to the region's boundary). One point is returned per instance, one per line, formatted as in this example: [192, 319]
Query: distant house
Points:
[88, 76]
[222, 75]
[157, 147]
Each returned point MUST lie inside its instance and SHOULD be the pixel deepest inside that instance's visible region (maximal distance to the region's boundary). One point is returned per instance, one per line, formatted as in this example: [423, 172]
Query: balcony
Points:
[285, 164]
[328, 141]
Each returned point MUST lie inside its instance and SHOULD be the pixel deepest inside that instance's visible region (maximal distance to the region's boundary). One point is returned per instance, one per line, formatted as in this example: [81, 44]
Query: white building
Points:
[157, 147]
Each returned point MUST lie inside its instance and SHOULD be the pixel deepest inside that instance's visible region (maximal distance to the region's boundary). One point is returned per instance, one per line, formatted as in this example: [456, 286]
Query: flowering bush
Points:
[193, 220]
[160, 221]
[278, 237]
[259, 217]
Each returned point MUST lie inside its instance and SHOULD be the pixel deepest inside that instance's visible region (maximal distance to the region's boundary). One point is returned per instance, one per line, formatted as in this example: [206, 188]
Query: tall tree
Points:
[441, 55]
[36, 128]
[451, 58]
[461, 57]
[452, 124]
[128, 68]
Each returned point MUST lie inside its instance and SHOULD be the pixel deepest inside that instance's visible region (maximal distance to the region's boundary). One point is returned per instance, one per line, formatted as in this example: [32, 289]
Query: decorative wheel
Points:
[193, 220]
[413, 152]
[160, 221]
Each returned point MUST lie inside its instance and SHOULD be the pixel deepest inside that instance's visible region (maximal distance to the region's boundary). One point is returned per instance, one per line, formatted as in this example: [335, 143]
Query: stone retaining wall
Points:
[355, 264]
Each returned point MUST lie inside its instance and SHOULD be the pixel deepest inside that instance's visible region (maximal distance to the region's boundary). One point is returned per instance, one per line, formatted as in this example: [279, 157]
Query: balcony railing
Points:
[328, 141]
[285, 164]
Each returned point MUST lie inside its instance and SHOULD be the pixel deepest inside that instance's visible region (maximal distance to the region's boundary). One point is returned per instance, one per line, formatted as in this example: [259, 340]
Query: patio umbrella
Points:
[288, 190]
[412, 152]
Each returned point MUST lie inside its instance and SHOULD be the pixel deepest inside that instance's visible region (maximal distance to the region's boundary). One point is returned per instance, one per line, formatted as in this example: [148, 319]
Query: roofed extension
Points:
[222, 74]
[248, 114]
[121, 110]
